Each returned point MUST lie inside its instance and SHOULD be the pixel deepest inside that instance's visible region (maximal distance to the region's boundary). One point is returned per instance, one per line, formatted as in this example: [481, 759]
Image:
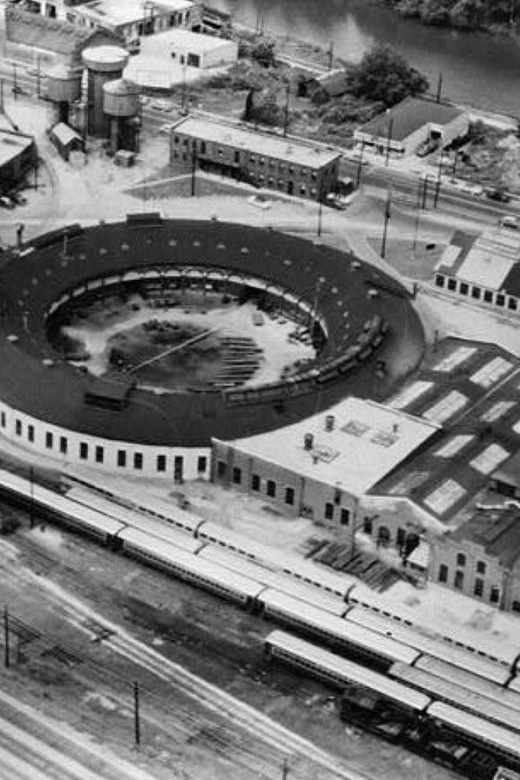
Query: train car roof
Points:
[169, 553]
[476, 727]
[350, 633]
[276, 580]
[347, 670]
[469, 681]
[83, 514]
[436, 647]
[456, 695]
[279, 559]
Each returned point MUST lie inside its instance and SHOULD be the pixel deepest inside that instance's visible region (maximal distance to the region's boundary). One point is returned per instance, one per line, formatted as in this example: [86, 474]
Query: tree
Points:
[263, 52]
[384, 75]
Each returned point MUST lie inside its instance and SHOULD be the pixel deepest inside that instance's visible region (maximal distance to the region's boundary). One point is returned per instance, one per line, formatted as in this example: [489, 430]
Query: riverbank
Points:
[452, 14]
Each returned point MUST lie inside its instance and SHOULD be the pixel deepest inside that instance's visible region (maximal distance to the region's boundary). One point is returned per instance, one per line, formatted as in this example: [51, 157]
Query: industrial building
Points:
[403, 128]
[484, 268]
[133, 18]
[287, 165]
[481, 558]
[320, 468]
[18, 156]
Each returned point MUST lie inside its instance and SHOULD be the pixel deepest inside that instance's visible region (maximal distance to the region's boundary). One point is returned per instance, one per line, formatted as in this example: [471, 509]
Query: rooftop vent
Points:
[329, 422]
[308, 441]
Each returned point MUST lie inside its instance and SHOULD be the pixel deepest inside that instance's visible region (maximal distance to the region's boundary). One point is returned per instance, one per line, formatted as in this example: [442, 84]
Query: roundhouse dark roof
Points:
[31, 281]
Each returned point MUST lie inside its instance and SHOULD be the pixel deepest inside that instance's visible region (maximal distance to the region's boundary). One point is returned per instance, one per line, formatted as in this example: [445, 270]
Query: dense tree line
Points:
[464, 14]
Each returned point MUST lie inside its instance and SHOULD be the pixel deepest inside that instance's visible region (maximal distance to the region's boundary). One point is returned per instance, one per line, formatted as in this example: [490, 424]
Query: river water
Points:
[477, 69]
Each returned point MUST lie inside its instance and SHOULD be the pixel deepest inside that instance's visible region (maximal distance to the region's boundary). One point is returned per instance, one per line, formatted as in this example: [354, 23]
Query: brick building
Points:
[263, 159]
[482, 557]
[319, 468]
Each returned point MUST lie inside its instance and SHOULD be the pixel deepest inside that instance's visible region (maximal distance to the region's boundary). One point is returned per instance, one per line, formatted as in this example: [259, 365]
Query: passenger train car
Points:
[470, 743]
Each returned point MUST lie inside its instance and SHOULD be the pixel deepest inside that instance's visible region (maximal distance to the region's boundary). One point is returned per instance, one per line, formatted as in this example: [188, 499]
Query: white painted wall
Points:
[15, 427]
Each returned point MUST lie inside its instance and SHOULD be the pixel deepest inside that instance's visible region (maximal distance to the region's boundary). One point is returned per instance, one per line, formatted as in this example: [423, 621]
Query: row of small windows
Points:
[461, 561]
[478, 587]
[271, 490]
[62, 443]
[477, 293]
[252, 158]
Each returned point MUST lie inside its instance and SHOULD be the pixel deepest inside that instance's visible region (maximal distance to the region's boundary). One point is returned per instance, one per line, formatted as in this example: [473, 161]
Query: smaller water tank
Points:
[329, 422]
[105, 59]
[308, 441]
[120, 98]
[64, 83]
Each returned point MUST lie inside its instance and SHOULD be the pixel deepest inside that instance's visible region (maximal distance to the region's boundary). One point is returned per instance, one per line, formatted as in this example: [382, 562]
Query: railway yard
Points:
[210, 703]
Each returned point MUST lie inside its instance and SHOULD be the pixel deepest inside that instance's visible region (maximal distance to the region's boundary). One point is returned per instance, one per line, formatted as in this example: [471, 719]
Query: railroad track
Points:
[255, 730]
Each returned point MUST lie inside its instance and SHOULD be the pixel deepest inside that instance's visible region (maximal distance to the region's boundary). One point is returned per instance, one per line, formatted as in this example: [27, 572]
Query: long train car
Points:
[503, 743]
[468, 681]
[456, 695]
[436, 648]
[353, 640]
[131, 518]
[382, 605]
[339, 671]
[186, 566]
[276, 580]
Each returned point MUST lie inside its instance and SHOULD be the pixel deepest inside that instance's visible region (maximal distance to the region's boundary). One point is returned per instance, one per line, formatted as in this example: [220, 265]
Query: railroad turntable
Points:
[320, 325]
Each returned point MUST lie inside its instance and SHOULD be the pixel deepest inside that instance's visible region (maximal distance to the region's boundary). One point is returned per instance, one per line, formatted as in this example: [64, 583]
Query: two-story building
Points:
[320, 467]
[267, 160]
[482, 557]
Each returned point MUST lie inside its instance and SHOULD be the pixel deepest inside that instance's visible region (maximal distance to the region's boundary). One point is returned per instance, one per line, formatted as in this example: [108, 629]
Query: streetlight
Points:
[387, 218]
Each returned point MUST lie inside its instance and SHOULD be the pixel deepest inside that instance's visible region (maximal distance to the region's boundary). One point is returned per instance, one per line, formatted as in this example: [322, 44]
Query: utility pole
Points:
[193, 168]
[360, 164]
[385, 227]
[1, 96]
[438, 182]
[15, 81]
[424, 193]
[137, 724]
[331, 54]
[388, 140]
[417, 217]
[286, 110]
[439, 88]
[31, 505]
[38, 80]
[6, 638]
[285, 769]
[320, 210]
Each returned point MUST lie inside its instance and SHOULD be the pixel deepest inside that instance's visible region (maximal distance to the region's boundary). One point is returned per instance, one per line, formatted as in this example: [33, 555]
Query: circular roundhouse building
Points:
[128, 346]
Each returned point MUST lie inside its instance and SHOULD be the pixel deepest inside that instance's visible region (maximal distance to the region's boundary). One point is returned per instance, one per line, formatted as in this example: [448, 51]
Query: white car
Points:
[161, 105]
[165, 129]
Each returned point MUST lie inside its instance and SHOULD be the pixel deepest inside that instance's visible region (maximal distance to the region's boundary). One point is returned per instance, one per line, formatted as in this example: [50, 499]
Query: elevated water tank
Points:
[121, 98]
[103, 63]
[63, 83]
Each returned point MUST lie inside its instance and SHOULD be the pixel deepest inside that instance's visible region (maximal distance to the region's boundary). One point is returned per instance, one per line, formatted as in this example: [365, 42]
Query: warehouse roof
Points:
[268, 144]
[116, 12]
[489, 260]
[497, 530]
[366, 442]
[409, 116]
[12, 144]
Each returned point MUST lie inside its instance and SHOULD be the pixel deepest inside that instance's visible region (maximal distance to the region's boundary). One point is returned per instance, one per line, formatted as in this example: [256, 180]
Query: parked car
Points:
[165, 129]
[18, 198]
[501, 196]
[427, 147]
[508, 221]
[6, 203]
[161, 105]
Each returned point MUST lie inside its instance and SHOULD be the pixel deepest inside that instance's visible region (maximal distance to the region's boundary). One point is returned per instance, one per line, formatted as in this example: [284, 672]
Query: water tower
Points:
[103, 63]
[121, 106]
[63, 87]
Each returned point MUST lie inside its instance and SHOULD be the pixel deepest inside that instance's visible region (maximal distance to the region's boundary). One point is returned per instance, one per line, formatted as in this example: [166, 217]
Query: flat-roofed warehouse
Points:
[263, 159]
[410, 123]
[320, 467]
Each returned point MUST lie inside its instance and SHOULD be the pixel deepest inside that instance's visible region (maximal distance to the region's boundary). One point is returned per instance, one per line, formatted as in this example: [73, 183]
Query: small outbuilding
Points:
[66, 140]
[413, 122]
[330, 85]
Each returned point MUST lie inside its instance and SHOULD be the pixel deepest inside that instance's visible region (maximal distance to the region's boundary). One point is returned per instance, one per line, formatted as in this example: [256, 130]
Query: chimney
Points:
[329, 422]
[308, 441]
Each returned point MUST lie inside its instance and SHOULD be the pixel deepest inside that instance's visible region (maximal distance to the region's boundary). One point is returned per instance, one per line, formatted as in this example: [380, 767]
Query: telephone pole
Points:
[285, 769]
[385, 227]
[286, 110]
[137, 724]
[389, 140]
[193, 169]
[6, 638]
[439, 88]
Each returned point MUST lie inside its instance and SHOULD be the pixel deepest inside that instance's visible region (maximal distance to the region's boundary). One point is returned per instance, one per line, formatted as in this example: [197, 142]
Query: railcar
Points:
[354, 641]
[188, 567]
[502, 743]
[339, 671]
[277, 581]
[456, 695]
[514, 683]
[432, 646]
[469, 681]
[130, 517]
